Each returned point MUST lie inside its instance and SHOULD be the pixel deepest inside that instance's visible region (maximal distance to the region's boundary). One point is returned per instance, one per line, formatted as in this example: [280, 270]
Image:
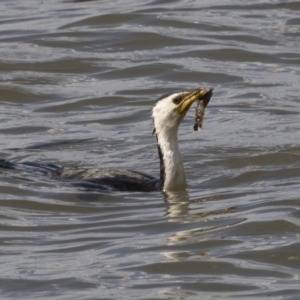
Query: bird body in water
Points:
[167, 113]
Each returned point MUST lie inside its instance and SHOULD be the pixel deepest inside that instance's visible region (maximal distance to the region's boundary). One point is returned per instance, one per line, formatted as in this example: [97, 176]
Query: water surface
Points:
[78, 80]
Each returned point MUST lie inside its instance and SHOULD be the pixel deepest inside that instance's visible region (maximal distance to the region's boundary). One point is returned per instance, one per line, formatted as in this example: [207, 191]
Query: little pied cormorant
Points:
[167, 113]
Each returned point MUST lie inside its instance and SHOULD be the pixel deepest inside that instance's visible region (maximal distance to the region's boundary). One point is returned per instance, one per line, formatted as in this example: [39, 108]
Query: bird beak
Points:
[189, 99]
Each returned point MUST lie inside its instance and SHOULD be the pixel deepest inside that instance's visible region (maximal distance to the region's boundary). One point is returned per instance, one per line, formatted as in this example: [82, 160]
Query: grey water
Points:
[77, 83]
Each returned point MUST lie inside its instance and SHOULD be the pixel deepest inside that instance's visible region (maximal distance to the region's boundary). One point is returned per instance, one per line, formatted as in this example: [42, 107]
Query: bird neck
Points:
[172, 175]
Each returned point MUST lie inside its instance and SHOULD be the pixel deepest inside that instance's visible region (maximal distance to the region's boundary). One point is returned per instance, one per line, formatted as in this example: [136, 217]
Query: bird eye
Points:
[177, 100]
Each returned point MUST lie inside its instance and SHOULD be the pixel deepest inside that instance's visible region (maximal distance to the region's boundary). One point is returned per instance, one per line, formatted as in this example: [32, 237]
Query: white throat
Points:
[166, 119]
[172, 174]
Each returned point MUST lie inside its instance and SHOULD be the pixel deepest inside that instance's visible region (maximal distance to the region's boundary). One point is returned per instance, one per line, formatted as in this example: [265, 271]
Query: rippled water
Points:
[78, 80]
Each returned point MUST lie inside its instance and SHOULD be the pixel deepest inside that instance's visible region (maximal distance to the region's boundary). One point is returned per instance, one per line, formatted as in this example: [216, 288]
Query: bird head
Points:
[169, 110]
